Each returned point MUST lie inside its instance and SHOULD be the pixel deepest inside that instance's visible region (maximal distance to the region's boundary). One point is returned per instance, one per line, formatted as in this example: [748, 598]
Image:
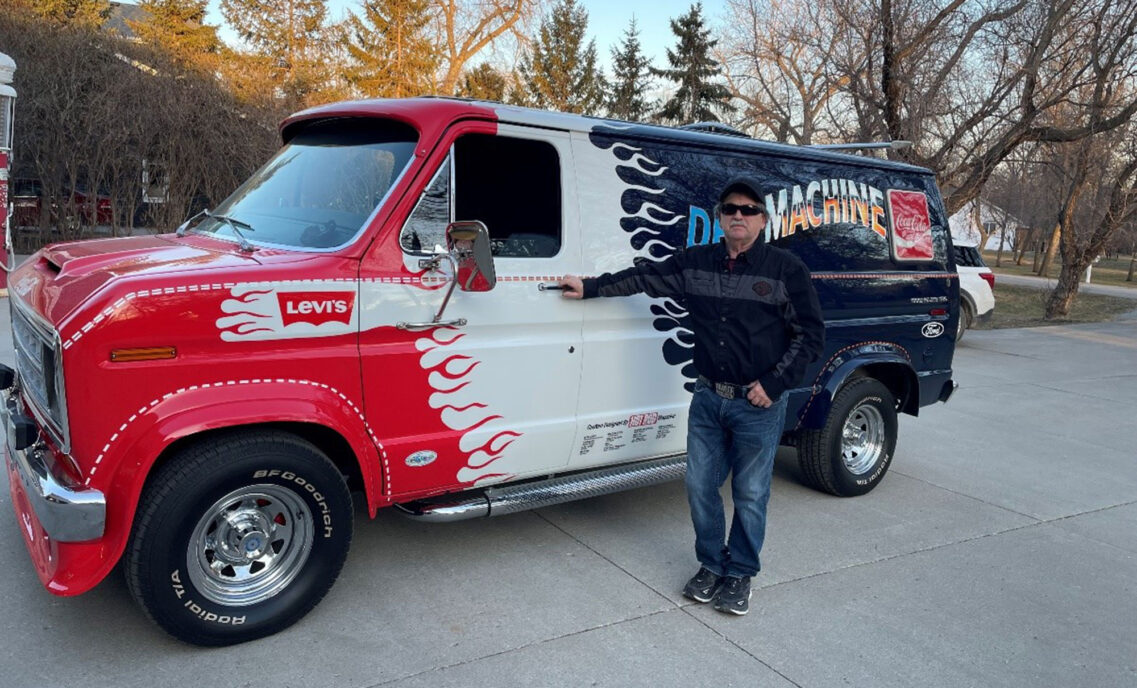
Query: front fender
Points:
[128, 458]
[874, 356]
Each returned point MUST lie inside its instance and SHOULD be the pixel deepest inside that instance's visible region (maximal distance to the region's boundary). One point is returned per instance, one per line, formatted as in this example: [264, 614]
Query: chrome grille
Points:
[37, 361]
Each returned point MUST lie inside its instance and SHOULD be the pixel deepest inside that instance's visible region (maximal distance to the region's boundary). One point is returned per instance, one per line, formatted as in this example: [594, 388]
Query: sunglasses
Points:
[729, 209]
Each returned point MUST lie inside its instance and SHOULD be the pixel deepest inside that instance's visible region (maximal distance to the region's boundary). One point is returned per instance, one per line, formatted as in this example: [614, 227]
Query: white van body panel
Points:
[509, 377]
[632, 403]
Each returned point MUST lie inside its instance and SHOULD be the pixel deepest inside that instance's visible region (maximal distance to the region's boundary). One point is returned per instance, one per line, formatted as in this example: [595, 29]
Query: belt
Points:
[726, 390]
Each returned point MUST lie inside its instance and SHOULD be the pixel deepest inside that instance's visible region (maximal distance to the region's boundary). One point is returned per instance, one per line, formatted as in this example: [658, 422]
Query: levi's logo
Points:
[316, 307]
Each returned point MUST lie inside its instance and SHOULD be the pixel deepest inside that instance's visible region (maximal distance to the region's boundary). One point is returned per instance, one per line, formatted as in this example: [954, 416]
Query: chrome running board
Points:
[534, 494]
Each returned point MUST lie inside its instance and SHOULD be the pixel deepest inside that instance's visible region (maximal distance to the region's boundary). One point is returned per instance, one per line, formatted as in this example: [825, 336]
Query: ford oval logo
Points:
[932, 329]
[421, 458]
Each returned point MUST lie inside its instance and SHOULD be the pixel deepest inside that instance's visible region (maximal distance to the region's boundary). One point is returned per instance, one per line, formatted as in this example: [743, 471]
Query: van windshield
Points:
[319, 190]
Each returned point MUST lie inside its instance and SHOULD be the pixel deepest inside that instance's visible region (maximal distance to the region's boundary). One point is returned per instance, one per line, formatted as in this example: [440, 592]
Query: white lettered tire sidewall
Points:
[185, 493]
[821, 451]
[865, 392]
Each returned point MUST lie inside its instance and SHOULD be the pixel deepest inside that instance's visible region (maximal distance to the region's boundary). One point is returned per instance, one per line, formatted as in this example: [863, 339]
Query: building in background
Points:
[998, 225]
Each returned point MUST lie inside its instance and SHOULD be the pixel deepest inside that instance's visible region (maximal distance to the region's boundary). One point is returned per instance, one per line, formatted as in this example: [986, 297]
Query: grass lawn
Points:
[1112, 272]
[1024, 306]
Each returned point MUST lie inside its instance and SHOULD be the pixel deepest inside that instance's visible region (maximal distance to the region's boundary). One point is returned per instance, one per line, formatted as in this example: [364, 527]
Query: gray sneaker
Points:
[703, 586]
[734, 595]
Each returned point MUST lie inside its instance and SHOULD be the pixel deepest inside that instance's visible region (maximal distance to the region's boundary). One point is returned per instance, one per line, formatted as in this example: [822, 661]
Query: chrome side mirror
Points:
[471, 264]
[469, 244]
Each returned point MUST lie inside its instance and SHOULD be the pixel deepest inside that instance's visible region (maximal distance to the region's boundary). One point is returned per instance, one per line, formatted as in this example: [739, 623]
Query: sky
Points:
[607, 20]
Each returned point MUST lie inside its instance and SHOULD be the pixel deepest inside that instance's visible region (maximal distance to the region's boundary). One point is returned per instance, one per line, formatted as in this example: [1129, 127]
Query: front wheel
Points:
[851, 453]
[238, 537]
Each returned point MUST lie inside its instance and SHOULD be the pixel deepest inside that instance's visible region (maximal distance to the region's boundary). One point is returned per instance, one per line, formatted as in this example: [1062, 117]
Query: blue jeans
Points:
[730, 436]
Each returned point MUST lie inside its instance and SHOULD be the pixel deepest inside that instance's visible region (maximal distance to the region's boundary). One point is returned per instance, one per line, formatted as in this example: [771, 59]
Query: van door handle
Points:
[549, 287]
[420, 326]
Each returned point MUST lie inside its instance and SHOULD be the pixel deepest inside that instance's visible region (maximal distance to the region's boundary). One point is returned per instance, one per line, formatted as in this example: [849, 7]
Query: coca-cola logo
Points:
[911, 225]
[316, 307]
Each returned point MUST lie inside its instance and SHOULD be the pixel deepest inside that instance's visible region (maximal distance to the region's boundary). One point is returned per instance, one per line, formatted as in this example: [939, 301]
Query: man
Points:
[757, 325]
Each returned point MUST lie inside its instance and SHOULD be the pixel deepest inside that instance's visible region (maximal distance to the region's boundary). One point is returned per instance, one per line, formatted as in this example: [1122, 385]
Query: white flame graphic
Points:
[254, 312]
[459, 378]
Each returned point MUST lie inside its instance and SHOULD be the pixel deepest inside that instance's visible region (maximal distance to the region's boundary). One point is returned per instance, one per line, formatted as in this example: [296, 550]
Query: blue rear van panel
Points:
[889, 318]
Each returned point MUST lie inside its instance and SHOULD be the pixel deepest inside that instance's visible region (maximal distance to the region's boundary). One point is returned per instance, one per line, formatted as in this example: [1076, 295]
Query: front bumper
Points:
[65, 513]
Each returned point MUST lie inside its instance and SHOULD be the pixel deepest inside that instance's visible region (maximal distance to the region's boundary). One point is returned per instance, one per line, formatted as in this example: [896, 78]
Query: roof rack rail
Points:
[891, 145]
[715, 128]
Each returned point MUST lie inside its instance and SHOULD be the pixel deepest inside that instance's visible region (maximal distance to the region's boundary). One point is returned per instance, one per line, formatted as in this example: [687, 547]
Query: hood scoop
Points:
[130, 255]
[65, 276]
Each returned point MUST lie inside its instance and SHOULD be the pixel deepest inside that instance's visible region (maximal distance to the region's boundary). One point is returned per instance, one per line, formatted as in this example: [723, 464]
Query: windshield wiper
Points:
[236, 226]
[184, 227]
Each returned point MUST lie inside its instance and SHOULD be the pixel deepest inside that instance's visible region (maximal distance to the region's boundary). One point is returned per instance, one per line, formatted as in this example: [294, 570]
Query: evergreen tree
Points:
[89, 14]
[178, 27]
[288, 33]
[390, 53]
[483, 83]
[630, 71]
[560, 72]
[693, 68]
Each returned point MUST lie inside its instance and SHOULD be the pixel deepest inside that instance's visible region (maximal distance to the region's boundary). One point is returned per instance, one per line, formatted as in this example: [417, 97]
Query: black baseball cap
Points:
[746, 186]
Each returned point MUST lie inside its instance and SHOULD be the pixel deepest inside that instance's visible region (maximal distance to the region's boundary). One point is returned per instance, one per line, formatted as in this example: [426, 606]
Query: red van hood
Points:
[59, 278]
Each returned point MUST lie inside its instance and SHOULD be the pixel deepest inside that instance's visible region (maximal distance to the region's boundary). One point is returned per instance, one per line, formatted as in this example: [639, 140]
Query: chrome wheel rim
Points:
[862, 441]
[250, 545]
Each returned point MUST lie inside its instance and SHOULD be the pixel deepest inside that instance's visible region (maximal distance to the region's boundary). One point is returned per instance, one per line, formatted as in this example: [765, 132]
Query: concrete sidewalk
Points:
[1001, 550]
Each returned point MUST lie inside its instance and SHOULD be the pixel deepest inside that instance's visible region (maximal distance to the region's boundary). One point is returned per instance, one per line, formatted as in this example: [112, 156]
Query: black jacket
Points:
[760, 321]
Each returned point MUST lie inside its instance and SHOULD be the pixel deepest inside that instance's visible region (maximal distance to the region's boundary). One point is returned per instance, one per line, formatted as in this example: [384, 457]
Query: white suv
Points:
[976, 288]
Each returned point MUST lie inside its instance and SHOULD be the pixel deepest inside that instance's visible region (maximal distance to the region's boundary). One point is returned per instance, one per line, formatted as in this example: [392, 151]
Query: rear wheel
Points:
[238, 537]
[851, 453]
[966, 319]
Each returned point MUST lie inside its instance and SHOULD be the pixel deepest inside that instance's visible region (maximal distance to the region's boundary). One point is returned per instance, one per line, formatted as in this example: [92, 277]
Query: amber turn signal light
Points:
[152, 353]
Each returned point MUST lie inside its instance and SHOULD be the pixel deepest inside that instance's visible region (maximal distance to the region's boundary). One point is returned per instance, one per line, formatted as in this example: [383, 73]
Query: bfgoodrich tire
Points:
[238, 537]
[851, 453]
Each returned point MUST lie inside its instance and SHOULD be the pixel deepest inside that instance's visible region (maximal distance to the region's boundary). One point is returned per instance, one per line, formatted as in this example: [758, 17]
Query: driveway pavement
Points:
[1001, 550]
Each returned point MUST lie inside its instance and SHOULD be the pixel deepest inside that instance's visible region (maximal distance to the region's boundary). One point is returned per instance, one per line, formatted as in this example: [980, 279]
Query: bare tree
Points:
[968, 82]
[465, 28]
[972, 82]
[1104, 172]
[1011, 188]
[778, 58]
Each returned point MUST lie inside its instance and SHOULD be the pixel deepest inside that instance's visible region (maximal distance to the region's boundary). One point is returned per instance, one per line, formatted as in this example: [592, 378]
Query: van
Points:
[371, 312]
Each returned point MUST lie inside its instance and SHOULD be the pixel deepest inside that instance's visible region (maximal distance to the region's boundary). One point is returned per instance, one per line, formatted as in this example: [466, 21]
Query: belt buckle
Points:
[724, 390]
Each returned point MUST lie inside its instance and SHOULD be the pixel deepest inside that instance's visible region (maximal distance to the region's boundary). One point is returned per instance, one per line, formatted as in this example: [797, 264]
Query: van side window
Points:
[511, 185]
[426, 227]
[514, 187]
